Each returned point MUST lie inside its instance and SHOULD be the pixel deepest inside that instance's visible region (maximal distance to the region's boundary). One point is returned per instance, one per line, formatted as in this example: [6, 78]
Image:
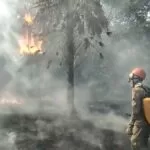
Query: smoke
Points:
[43, 90]
[124, 51]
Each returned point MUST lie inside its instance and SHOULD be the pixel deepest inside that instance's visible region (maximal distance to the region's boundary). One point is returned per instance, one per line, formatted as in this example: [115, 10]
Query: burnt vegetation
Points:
[82, 22]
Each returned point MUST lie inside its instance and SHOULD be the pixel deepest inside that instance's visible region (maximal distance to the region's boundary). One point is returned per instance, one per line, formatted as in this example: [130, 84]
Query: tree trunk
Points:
[70, 65]
[70, 74]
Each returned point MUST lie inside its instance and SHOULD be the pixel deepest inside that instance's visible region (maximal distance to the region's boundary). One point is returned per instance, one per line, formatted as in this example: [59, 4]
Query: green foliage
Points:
[138, 14]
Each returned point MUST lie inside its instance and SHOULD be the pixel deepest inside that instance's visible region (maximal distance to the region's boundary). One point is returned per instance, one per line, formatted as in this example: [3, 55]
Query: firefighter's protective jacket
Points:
[137, 116]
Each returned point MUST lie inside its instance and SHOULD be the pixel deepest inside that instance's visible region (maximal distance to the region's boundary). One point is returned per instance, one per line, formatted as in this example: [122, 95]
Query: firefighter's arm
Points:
[138, 96]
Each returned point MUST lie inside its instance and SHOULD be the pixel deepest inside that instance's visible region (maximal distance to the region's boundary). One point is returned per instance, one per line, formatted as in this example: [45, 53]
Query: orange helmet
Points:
[139, 72]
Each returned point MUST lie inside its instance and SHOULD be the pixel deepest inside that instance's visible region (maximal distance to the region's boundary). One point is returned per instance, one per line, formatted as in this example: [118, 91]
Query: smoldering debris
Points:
[62, 133]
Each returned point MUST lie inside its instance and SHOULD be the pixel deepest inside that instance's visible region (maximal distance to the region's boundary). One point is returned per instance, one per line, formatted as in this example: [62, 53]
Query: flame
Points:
[30, 44]
[28, 19]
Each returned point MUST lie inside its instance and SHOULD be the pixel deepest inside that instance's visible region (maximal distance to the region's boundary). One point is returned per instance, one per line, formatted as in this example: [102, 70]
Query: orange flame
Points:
[28, 19]
[30, 44]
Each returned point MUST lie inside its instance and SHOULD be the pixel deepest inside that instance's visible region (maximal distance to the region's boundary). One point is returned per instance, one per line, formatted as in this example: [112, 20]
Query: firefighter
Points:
[138, 129]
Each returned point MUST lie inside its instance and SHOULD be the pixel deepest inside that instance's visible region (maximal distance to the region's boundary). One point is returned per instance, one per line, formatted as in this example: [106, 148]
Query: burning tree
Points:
[29, 43]
[82, 21]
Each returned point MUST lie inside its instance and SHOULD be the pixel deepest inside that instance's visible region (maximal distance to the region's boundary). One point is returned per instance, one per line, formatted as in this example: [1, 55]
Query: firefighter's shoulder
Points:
[138, 88]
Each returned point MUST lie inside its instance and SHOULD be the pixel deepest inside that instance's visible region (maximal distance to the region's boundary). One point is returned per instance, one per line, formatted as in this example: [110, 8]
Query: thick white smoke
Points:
[34, 83]
[44, 90]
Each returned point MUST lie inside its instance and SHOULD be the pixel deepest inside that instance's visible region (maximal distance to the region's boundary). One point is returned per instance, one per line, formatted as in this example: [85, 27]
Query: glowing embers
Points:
[10, 100]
